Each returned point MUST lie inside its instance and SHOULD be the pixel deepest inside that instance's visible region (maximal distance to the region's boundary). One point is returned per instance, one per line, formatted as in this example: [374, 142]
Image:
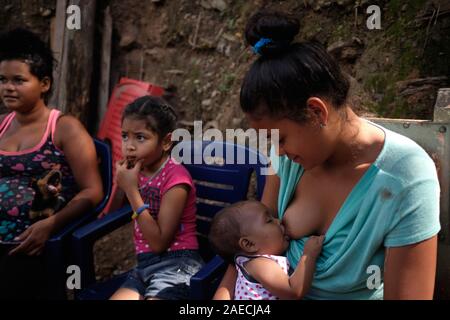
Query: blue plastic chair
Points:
[57, 250]
[220, 181]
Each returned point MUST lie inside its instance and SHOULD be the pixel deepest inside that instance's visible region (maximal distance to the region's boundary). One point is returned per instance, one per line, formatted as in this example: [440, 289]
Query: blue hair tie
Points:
[261, 43]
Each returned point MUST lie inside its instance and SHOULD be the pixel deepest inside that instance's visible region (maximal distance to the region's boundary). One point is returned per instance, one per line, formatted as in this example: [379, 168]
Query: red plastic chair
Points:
[124, 93]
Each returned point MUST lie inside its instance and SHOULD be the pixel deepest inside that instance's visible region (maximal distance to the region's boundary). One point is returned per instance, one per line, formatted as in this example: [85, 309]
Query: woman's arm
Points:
[410, 271]
[225, 291]
[79, 150]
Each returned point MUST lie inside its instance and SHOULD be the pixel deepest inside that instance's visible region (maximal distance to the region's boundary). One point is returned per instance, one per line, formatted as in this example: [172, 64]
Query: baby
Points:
[247, 234]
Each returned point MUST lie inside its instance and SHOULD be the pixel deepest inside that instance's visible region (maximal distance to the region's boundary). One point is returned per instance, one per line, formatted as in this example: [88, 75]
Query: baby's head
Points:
[247, 227]
[147, 126]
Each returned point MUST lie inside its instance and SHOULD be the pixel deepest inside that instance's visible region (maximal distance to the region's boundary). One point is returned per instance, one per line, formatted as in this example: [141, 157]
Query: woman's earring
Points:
[322, 126]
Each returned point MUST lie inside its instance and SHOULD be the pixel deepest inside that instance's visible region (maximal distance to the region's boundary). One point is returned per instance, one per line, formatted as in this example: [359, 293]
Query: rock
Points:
[175, 72]
[157, 54]
[207, 86]
[420, 93]
[227, 44]
[206, 103]
[413, 86]
[336, 46]
[349, 54]
[347, 51]
[220, 5]
[128, 36]
[345, 2]
[318, 4]
[223, 47]
[213, 124]
[215, 93]
[205, 4]
[46, 13]
[378, 97]
[230, 37]
[236, 122]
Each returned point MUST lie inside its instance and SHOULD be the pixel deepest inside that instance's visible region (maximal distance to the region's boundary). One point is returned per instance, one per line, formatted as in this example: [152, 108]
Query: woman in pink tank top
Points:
[35, 140]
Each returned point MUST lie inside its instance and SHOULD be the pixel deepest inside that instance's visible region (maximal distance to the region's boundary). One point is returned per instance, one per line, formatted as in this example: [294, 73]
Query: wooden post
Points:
[105, 66]
[76, 53]
[57, 44]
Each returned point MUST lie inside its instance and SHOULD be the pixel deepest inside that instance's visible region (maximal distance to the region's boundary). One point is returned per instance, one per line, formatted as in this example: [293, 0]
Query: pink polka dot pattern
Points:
[247, 290]
[152, 191]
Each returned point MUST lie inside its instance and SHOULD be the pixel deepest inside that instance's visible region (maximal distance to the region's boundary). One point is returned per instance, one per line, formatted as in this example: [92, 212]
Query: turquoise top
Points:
[395, 203]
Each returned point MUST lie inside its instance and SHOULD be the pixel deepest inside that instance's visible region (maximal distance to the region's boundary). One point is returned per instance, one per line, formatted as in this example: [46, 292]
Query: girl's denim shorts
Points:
[164, 276]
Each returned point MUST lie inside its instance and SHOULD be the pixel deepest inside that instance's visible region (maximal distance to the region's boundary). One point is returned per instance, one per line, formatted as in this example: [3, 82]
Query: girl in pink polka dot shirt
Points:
[162, 195]
[249, 235]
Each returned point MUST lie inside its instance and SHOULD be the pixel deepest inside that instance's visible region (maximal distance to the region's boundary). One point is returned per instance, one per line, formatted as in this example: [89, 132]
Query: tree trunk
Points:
[105, 66]
[75, 52]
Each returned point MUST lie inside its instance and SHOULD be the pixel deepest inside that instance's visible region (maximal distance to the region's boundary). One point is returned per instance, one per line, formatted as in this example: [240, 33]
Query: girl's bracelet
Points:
[139, 211]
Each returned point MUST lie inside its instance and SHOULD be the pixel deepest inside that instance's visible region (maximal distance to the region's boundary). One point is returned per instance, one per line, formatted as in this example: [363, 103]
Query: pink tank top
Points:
[17, 170]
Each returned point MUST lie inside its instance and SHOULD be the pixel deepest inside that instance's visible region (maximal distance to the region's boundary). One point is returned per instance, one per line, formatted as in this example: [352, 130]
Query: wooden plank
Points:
[57, 45]
[76, 65]
[105, 66]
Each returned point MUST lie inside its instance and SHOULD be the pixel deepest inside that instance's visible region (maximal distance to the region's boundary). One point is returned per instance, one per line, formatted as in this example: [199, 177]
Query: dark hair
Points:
[286, 74]
[226, 228]
[160, 117]
[225, 232]
[24, 45]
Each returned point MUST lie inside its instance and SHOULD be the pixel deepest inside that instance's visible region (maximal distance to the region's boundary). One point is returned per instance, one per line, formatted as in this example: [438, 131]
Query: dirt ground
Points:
[114, 253]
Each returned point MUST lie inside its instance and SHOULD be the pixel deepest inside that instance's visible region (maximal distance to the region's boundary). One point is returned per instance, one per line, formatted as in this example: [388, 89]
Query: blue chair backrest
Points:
[221, 172]
[58, 256]
[105, 167]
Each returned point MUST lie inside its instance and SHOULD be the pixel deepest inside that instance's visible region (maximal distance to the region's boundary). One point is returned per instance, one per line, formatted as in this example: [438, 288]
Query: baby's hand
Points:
[313, 246]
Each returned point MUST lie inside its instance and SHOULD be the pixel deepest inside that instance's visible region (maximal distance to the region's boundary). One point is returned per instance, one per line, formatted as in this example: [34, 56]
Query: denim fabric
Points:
[164, 276]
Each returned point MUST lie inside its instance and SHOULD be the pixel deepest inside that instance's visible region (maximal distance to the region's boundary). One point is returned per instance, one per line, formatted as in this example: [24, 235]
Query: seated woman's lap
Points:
[21, 275]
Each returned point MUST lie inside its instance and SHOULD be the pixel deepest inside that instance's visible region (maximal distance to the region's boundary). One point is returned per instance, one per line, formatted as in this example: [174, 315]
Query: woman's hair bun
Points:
[280, 28]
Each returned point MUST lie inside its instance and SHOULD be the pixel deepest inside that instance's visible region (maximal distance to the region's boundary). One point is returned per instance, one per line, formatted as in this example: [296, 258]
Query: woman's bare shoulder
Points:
[69, 122]
[68, 128]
